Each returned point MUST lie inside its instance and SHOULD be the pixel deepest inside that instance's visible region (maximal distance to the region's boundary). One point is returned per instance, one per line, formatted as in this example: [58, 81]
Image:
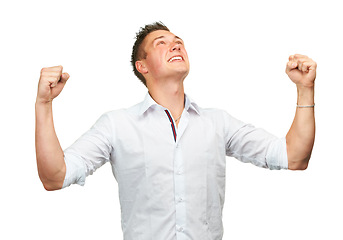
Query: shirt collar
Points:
[190, 104]
[149, 102]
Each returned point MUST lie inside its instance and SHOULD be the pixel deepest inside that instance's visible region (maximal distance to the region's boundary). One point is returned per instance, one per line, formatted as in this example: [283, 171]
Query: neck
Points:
[169, 95]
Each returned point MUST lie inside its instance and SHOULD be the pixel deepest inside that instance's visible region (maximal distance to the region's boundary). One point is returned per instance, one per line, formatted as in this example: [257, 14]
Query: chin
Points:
[182, 74]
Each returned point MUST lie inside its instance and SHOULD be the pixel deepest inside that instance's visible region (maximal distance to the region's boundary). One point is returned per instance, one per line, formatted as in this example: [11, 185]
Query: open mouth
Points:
[175, 58]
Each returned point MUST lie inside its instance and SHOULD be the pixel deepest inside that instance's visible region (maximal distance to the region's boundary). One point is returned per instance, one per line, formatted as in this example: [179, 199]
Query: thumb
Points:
[64, 77]
[290, 66]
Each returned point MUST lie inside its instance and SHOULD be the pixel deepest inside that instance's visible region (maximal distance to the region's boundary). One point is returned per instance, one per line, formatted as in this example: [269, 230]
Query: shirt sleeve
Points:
[255, 145]
[91, 151]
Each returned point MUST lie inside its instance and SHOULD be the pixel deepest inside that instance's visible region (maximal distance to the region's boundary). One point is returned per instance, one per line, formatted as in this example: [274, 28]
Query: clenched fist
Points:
[51, 83]
[301, 70]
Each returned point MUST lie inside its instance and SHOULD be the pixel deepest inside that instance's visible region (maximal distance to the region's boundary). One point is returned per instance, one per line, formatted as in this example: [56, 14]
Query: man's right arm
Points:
[49, 154]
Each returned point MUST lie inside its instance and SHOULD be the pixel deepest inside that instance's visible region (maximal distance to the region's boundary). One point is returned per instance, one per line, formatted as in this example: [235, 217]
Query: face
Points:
[166, 56]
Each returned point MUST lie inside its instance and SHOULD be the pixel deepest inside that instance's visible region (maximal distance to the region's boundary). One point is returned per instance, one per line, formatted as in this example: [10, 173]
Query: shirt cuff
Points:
[277, 155]
[75, 171]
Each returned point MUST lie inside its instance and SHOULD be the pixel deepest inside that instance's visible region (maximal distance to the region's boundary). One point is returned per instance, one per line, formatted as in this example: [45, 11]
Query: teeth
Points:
[175, 58]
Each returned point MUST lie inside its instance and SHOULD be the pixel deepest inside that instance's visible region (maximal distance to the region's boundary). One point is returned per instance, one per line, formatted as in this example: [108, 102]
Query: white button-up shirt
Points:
[171, 180]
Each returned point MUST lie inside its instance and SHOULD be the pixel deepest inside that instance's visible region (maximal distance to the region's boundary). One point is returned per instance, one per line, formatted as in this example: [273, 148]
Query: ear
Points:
[140, 66]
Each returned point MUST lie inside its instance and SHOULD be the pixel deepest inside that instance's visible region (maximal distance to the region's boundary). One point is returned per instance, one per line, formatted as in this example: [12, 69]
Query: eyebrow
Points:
[176, 37]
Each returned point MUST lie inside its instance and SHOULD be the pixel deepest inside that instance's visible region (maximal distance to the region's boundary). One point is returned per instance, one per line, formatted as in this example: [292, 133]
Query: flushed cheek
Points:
[155, 65]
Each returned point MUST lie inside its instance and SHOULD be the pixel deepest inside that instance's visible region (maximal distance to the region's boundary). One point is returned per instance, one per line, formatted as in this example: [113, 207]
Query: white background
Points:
[238, 51]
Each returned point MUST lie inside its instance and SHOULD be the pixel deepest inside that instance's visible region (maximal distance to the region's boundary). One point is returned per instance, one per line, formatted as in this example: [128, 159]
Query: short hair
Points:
[137, 52]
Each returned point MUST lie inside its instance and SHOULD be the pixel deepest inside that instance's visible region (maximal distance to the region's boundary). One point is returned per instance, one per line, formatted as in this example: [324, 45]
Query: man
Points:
[167, 153]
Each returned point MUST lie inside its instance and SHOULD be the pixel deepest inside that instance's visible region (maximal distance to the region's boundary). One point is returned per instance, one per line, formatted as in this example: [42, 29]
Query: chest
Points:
[149, 144]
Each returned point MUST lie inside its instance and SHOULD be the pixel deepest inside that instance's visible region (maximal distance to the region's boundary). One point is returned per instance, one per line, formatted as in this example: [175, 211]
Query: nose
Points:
[175, 47]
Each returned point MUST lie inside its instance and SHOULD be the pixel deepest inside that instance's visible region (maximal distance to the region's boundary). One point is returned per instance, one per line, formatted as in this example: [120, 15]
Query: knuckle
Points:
[52, 69]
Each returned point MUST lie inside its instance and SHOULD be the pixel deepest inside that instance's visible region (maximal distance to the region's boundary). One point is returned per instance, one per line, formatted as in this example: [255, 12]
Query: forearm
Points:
[50, 157]
[300, 138]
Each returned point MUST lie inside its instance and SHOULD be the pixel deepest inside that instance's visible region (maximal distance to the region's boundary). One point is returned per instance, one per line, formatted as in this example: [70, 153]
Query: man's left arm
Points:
[300, 137]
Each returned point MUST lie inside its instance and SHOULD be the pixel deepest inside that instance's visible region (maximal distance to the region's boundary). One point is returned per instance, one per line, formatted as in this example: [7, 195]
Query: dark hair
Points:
[137, 52]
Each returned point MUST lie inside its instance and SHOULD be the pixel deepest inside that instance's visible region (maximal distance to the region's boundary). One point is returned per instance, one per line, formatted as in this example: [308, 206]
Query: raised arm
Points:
[49, 154]
[300, 137]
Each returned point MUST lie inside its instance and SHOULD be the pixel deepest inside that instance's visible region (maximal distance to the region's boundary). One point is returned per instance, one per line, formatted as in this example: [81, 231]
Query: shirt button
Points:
[179, 229]
[179, 172]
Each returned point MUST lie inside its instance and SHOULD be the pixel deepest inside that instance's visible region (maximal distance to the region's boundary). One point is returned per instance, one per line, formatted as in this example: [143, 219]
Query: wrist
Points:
[43, 101]
[43, 105]
[305, 87]
[305, 95]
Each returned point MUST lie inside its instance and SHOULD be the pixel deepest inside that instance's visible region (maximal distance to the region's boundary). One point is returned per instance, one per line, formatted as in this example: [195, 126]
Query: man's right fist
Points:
[51, 83]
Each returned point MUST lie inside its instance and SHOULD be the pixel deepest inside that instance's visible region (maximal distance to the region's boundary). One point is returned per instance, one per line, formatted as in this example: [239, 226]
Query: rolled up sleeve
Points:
[255, 145]
[75, 172]
[91, 151]
[277, 155]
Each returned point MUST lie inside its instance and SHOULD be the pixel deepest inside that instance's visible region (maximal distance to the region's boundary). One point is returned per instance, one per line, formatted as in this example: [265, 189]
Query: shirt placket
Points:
[179, 177]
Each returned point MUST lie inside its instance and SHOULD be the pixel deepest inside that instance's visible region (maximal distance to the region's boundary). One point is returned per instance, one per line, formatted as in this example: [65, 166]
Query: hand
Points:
[51, 83]
[301, 70]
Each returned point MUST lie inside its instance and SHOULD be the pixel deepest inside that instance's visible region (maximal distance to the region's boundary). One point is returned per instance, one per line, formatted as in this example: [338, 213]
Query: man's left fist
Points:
[301, 70]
